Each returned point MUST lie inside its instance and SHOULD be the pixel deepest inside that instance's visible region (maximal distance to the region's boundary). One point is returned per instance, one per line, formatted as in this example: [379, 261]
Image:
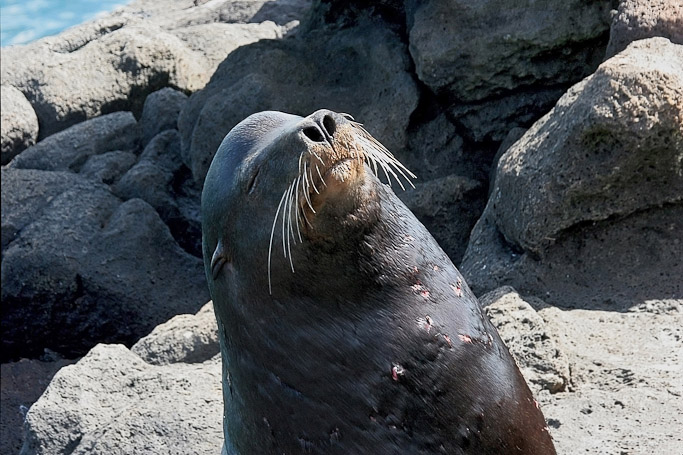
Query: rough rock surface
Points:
[451, 53]
[125, 56]
[108, 167]
[640, 19]
[500, 63]
[540, 357]
[363, 70]
[68, 150]
[114, 273]
[611, 146]
[161, 179]
[187, 338]
[111, 401]
[160, 112]
[599, 169]
[19, 123]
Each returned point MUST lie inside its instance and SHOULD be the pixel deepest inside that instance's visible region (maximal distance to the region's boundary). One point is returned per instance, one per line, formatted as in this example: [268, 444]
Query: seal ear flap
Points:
[218, 259]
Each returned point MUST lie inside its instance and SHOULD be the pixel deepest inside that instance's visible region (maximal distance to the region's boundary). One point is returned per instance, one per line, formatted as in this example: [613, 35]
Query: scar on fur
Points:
[465, 339]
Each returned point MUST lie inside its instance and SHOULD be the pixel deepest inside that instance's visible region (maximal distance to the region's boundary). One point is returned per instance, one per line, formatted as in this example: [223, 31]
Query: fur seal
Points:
[344, 327]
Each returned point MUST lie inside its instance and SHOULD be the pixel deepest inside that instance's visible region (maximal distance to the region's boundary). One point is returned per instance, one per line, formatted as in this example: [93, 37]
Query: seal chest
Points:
[344, 327]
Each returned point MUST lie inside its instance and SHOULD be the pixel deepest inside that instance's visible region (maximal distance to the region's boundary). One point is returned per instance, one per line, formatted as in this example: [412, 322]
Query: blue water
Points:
[22, 21]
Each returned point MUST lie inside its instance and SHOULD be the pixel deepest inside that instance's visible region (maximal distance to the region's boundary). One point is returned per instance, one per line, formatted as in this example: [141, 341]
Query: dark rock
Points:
[70, 149]
[162, 180]
[497, 64]
[640, 19]
[478, 50]
[187, 338]
[22, 384]
[449, 207]
[544, 365]
[362, 71]
[490, 120]
[160, 112]
[587, 206]
[111, 401]
[108, 167]
[434, 150]
[79, 267]
[513, 136]
[19, 123]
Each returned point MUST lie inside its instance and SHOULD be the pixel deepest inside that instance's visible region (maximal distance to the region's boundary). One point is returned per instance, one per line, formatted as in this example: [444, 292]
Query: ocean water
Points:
[22, 21]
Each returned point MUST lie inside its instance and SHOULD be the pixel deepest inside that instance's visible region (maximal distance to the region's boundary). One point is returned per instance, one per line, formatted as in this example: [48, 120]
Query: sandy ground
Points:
[626, 391]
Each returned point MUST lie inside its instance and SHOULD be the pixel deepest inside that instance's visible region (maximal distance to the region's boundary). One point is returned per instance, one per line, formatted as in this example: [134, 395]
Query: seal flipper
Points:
[218, 259]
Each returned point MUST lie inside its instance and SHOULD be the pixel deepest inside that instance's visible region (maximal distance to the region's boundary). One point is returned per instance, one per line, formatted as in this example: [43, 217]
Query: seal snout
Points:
[323, 128]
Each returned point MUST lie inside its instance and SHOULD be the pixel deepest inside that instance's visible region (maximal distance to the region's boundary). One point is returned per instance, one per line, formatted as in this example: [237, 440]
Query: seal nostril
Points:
[314, 134]
[329, 125]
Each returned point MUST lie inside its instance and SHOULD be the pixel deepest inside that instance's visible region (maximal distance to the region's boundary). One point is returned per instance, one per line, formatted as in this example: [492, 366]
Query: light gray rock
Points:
[19, 123]
[187, 338]
[611, 146]
[449, 207]
[587, 207]
[361, 70]
[79, 267]
[108, 167]
[539, 356]
[122, 58]
[68, 150]
[111, 401]
[640, 19]
[160, 112]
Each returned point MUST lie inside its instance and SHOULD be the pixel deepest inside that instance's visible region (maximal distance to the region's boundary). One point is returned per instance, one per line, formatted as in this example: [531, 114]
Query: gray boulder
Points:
[161, 179]
[611, 146]
[160, 112]
[502, 64]
[68, 150]
[362, 70]
[187, 338]
[108, 167]
[19, 123]
[79, 267]
[113, 63]
[587, 207]
[640, 19]
[111, 401]
[543, 363]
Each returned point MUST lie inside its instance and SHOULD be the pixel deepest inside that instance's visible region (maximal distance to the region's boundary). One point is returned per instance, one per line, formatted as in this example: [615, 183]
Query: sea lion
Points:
[344, 327]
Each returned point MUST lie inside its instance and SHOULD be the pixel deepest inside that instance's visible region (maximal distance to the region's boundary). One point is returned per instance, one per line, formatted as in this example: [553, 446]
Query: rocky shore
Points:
[548, 142]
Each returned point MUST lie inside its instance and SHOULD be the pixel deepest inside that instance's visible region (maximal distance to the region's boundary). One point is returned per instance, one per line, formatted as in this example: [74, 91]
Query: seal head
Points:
[344, 327]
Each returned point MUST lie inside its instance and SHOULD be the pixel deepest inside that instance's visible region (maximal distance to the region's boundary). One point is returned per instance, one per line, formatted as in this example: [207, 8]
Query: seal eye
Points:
[252, 181]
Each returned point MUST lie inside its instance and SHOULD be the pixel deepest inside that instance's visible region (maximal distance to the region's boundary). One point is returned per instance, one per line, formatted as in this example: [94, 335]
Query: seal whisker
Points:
[290, 233]
[311, 180]
[270, 246]
[306, 195]
[297, 208]
[319, 175]
[317, 156]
